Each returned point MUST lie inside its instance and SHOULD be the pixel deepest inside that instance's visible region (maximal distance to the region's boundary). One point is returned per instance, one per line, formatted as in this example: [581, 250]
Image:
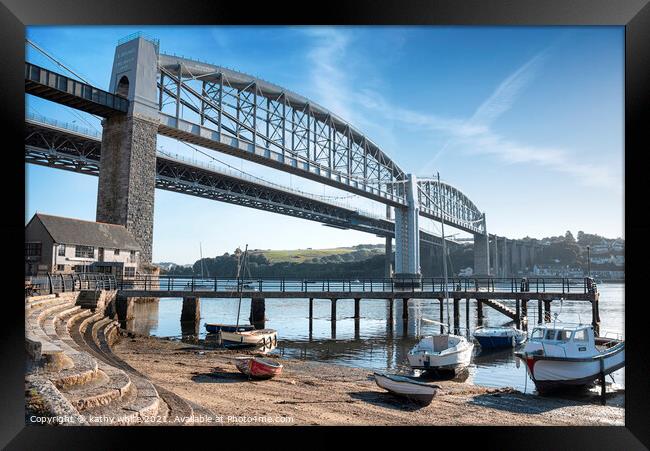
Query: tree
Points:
[568, 237]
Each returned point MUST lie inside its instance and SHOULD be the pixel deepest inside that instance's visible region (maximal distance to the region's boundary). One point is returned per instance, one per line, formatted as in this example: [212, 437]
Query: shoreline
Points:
[319, 393]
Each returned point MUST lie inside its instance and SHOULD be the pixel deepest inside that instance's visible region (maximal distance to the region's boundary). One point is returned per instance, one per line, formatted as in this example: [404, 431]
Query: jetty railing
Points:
[60, 283]
[349, 285]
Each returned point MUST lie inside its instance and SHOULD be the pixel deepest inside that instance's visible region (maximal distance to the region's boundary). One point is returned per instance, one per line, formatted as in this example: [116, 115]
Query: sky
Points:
[528, 122]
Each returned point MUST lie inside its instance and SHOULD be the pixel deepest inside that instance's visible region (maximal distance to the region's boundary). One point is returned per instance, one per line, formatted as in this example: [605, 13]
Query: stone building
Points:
[56, 244]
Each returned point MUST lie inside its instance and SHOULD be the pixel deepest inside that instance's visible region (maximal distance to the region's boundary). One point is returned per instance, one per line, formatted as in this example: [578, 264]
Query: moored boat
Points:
[263, 338]
[570, 356]
[257, 368]
[213, 328]
[441, 352]
[402, 386]
[499, 337]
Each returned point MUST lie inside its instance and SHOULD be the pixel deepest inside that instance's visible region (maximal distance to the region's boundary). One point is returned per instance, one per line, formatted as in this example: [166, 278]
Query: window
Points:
[60, 267]
[116, 252]
[564, 335]
[129, 271]
[32, 249]
[537, 333]
[61, 252]
[550, 334]
[132, 259]
[580, 335]
[85, 252]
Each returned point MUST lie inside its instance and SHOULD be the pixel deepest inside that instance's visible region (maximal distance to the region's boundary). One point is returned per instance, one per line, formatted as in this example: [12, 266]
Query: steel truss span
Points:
[460, 211]
[256, 120]
[53, 144]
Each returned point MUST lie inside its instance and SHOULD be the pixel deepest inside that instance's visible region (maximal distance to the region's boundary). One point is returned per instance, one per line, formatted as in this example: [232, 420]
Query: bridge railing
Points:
[61, 283]
[181, 283]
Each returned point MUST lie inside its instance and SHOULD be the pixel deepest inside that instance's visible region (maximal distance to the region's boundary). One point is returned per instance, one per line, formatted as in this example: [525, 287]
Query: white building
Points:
[65, 245]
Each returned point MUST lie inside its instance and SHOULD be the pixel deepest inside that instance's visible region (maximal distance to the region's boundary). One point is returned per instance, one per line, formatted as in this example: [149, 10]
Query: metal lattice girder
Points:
[51, 145]
[262, 122]
[459, 210]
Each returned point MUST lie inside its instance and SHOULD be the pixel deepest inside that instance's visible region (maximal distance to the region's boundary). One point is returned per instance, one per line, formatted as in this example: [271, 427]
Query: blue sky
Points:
[527, 121]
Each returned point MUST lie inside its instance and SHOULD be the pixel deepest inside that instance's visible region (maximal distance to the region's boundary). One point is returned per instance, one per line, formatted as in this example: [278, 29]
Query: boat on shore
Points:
[446, 351]
[256, 368]
[402, 386]
[215, 328]
[563, 356]
[265, 339]
[499, 337]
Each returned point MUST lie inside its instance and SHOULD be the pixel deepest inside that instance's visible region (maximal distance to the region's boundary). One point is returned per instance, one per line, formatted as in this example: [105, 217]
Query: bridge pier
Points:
[125, 193]
[481, 255]
[258, 311]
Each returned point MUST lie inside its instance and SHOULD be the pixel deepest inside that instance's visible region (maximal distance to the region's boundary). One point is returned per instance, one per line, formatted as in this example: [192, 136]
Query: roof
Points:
[87, 233]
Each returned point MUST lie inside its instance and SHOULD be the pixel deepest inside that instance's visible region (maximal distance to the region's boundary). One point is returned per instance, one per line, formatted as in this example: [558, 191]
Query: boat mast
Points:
[239, 283]
[201, 255]
[444, 251]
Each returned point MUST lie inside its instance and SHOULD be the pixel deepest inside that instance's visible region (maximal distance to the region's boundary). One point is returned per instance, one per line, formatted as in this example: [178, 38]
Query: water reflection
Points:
[381, 338]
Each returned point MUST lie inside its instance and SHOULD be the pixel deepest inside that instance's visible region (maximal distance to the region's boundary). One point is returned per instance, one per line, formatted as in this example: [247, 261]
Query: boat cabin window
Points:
[537, 333]
[580, 335]
[550, 334]
[564, 335]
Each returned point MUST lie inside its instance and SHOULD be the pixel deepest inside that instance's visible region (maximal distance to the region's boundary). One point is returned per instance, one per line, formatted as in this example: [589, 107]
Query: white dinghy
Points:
[403, 386]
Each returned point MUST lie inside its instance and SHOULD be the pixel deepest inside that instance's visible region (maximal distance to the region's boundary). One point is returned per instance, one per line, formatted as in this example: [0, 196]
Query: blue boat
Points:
[213, 328]
[499, 337]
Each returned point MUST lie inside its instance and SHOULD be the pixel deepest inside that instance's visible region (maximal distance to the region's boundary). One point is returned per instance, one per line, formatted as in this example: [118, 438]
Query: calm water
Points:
[372, 342]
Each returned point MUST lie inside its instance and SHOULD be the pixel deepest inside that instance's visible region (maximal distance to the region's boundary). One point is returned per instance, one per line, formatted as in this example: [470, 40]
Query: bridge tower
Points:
[407, 234]
[127, 173]
[482, 252]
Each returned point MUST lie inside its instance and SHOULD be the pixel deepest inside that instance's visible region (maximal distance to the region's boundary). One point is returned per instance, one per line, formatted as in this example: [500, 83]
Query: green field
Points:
[305, 255]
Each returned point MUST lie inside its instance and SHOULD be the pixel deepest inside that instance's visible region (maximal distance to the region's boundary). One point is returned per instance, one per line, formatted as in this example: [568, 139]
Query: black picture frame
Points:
[634, 15]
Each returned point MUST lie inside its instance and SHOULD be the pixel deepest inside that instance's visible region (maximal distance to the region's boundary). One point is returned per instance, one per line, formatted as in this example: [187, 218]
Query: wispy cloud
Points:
[474, 135]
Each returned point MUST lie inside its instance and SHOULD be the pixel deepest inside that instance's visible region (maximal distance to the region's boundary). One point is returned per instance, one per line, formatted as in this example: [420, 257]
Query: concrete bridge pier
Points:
[494, 254]
[258, 311]
[407, 238]
[515, 258]
[524, 254]
[505, 258]
[481, 255]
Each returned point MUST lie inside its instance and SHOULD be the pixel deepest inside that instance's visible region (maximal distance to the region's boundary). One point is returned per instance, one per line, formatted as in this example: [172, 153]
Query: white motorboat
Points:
[499, 337]
[570, 355]
[441, 352]
[403, 386]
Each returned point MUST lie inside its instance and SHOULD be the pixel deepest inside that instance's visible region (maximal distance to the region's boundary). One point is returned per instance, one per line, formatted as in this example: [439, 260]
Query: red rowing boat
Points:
[257, 368]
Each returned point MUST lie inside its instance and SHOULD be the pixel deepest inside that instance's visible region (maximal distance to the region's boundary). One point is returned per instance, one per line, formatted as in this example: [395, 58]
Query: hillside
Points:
[331, 255]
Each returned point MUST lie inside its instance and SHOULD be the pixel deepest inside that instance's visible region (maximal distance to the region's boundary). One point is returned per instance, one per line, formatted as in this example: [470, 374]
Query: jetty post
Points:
[356, 308]
[467, 314]
[258, 310]
[539, 312]
[456, 316]
[524, 313]
[517, 314]
[547, 310]
[479, 311]
[442, 318]
[191, 315]
[405, 309]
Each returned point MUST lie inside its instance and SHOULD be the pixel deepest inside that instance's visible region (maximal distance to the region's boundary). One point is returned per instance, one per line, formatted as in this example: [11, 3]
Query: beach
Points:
[316, 393]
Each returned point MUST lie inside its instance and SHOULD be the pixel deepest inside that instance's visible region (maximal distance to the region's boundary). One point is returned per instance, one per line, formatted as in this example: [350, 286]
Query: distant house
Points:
[602, 248]
[56, 244]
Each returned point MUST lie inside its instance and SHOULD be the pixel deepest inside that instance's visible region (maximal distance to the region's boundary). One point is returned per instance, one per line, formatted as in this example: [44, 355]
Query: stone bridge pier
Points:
[125, 193]
[407, 236]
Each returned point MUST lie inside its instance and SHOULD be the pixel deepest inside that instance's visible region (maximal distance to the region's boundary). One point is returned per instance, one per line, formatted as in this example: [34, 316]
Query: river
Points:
[374, 344]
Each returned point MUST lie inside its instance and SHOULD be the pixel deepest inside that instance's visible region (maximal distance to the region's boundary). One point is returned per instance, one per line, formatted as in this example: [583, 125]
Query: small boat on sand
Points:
[441, 352]
[499, 337]
[403, 386]
[257, 368]
[263, 338]
[213, 328]
[570, 355]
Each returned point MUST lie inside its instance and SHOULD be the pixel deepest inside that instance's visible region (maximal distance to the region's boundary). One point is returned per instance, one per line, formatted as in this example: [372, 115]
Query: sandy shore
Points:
[312, 393]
